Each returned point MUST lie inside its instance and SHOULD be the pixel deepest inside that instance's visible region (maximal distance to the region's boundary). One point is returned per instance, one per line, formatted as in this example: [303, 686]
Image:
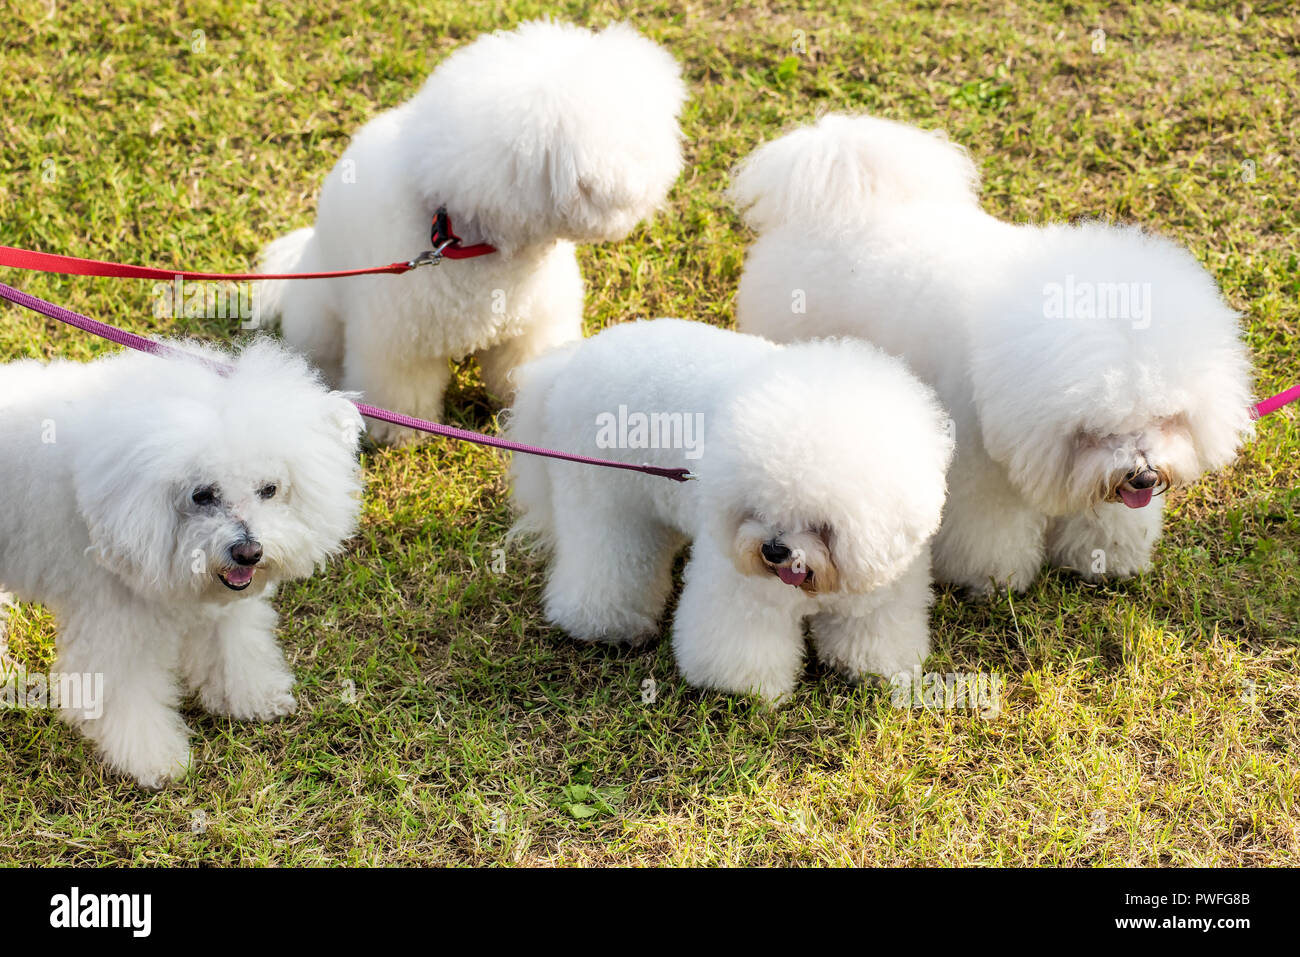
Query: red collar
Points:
[447, 244]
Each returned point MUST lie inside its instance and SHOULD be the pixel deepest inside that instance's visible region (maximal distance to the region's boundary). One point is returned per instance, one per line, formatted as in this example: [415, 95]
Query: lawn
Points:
[441, 721]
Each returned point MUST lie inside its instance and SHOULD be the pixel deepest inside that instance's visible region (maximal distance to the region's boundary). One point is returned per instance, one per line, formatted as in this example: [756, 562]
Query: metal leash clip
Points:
[686, 475]
[430, 257]
[440, 236]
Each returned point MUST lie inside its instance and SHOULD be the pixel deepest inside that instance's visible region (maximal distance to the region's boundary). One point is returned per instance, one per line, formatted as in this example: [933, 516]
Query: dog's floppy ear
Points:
[346, 420]
[129, 514]
[325, 479]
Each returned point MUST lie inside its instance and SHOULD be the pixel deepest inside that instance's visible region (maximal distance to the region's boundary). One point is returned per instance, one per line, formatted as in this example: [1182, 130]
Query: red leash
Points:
[72, 266]
[446, 245]
[141, 344]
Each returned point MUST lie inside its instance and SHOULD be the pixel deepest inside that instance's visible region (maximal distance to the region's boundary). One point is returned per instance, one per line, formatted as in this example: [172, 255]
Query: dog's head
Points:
[1107, 368]
[196, 483]
[551, 131]
[828, 470]
[1133, 467]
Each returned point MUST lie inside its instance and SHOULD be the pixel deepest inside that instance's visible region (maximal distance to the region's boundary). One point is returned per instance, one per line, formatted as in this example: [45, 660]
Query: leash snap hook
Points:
[430, 257]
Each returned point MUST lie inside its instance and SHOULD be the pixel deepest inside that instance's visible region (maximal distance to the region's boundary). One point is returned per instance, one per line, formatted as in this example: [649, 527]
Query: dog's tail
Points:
[525, 421]
[844, 170]
[282, 255]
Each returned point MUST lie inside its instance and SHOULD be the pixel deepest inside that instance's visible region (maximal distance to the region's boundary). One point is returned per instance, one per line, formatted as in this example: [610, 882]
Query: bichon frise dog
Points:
[820, 480]
[1088, 368]
[532, 140]
[153, 504]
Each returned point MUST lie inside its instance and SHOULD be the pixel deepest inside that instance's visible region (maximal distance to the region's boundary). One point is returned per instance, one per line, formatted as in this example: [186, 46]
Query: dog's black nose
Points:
[1144, 479]
[246, 553]
[775, 552]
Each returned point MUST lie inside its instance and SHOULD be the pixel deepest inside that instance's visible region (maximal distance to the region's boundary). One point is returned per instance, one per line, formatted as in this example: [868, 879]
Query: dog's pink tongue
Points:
[1135, 497]
[238, 576]
[791, 577]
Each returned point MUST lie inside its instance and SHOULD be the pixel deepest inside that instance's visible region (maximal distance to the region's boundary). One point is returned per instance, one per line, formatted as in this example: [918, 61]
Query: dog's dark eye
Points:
[207, 495]
[267, 491]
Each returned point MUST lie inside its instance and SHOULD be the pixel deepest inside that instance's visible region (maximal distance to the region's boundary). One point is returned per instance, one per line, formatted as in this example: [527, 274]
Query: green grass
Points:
[1149, 722]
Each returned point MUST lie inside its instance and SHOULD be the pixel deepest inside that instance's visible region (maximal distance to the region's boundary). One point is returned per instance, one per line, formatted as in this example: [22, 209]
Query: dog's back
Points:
[587, 397]
[848, 170]
[873, 229]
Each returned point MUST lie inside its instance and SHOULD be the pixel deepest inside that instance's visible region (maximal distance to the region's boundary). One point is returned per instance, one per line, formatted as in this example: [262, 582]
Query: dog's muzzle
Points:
[245, 554]
[788, 565]
[1138, 487]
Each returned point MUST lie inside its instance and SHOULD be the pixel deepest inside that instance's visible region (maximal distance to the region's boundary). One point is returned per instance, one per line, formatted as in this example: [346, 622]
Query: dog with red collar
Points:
[529, 141]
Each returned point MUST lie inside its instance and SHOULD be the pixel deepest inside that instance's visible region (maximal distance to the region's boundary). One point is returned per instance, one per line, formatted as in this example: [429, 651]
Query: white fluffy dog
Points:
[1087, 368]
[532, 140]
[804, 507]
[153, 504]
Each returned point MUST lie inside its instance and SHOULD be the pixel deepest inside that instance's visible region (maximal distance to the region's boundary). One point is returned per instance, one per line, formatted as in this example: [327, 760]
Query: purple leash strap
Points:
[141, 344]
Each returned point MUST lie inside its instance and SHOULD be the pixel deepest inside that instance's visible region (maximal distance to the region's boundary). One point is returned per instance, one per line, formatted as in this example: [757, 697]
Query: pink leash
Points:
[1272, 404]
[141, 344]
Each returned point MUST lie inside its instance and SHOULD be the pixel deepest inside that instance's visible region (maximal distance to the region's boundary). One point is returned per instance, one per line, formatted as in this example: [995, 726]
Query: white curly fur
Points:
[788, 458]
[99, 465]
[534, 139]
[874, 230]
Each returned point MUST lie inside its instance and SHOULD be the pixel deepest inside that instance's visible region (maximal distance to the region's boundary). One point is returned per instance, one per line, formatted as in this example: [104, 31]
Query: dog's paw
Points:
[1116, 573]
[387, 435]
[252, 705]
[876, 672]
[157, 778]
[149, 745]
[766, 691]
[279, 705]
[612, 626]
[771, 697]
[989, 589]
[641, 639]
[154, 763]
[283, 705]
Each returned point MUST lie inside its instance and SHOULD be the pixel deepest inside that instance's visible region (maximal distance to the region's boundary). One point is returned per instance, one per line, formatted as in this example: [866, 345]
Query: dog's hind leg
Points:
[610, 574]
[307, 311]
[737, 633]
[237, 666]
[886, 632]
[499, 361]
[410, 384]
[1109, 541]
[313, 329]
[129, 654]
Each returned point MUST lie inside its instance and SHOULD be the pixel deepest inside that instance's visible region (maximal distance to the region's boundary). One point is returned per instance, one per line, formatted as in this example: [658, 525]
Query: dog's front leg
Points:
[738, 633]
[1110, 541]
[991, 537]
[122, 657]
[237, 666]
[885, 632]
